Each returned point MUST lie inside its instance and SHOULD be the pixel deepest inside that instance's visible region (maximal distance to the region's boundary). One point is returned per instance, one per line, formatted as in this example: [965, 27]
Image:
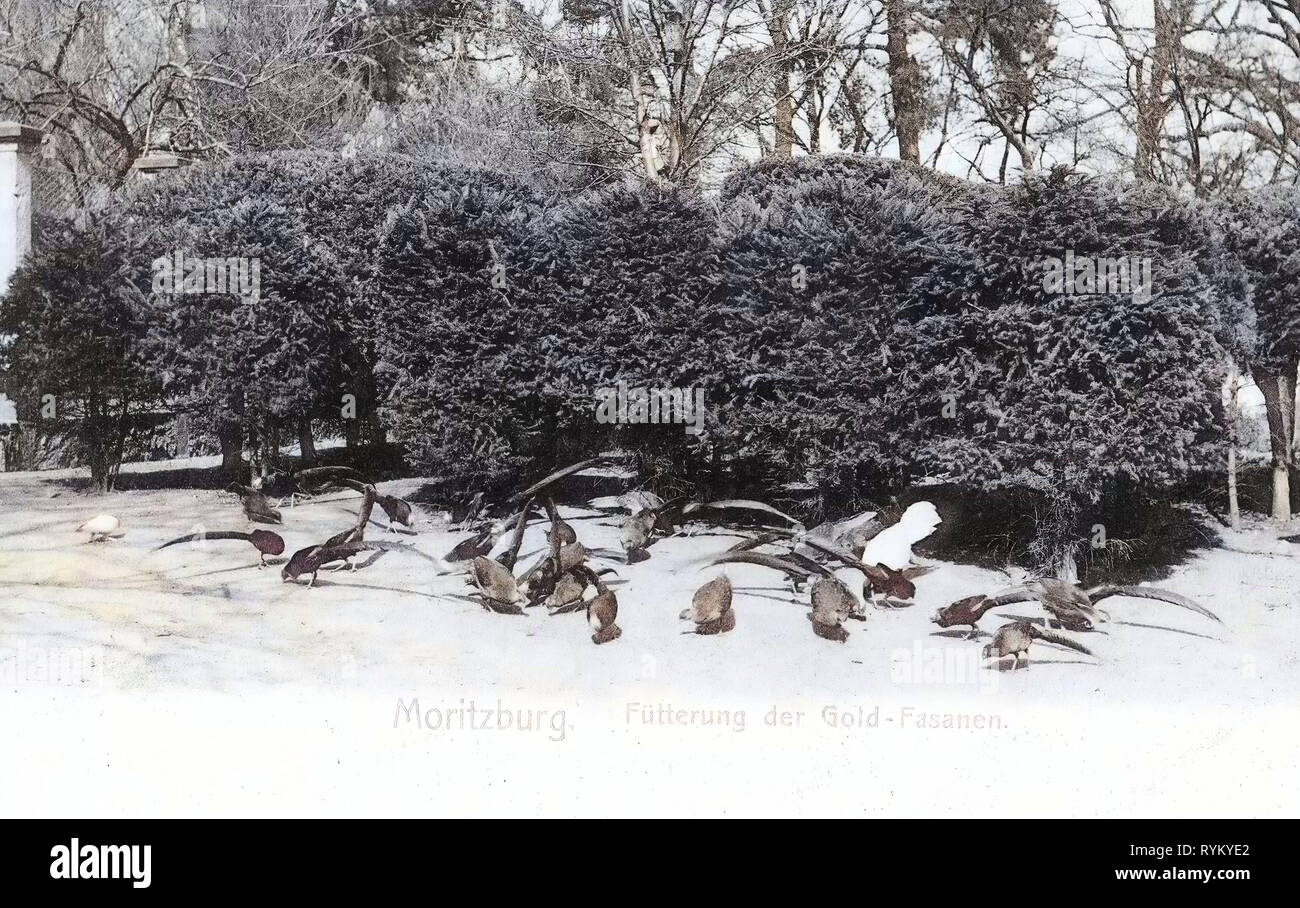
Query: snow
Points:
[193, 680]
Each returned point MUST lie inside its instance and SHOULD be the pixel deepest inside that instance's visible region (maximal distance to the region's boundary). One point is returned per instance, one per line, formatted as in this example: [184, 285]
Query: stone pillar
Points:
[17, 142]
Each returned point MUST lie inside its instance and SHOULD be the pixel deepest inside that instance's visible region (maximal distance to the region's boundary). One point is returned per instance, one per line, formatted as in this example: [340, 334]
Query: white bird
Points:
[892, 547]
[103, 526]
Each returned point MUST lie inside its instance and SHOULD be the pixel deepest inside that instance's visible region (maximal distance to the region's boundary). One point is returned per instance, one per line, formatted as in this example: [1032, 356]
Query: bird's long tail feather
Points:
[386, 546]
[744, 504]
[1061, 640]
[223, 534]
[770, 561]
[1151, 592]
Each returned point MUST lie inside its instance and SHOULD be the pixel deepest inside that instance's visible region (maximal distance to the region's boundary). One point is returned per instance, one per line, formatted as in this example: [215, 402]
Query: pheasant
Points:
[711, 608]
[832, 602]
[1014, 639]
[602, 611]
[965, 611]
[496, 586]
[266, 542]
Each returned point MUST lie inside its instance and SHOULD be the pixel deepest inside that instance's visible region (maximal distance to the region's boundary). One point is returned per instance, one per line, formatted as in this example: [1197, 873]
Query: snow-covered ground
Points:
[190, 680]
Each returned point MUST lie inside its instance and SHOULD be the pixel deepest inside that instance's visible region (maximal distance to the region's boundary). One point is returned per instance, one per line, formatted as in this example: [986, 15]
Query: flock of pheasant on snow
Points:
[827, 560]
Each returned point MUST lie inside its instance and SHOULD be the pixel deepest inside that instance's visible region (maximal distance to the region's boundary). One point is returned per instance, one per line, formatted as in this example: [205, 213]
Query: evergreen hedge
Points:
[856, 325]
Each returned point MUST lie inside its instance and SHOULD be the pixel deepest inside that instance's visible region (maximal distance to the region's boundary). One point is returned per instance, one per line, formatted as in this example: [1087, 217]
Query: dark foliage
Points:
[73, 320]
[859, 328]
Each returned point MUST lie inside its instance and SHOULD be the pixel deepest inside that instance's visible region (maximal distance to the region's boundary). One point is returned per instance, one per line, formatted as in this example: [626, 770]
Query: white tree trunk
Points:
[1279, 404]
[1231, 387]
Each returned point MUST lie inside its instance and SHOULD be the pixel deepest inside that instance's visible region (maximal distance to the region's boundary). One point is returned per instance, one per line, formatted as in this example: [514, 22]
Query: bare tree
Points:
[1158, 103]
[109, 79]
[1252, 74]
[681, 84]
[1003, 54]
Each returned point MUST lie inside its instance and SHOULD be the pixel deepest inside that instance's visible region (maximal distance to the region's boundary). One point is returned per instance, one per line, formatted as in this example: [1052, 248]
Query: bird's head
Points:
[922, 515]
[285, 576]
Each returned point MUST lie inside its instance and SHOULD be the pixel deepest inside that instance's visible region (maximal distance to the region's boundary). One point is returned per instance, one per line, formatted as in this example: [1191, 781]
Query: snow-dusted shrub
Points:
[622, 293]
[452, 304]
[1073, 391]
[762, 181]
[258, 365]
[829, 269]
[70, 330]
[502, 320]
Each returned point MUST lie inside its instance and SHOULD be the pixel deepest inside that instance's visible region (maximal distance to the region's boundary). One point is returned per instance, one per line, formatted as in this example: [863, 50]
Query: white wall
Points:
[15, 205]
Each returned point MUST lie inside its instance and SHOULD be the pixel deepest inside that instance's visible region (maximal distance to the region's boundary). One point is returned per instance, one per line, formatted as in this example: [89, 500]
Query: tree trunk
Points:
[1286, 395]
[352, 432]
[368, 399]
[306, 444]
[1152, 106]
[1295, 422]
[375, 431]
[904, 80]
[117, 453]
[97, 453]
[1234, 504]
[231, 436]
[1279, 405]
[1231, 386]
[814, 108]
[254, 443]
[782, 102]
[182, 425]
[94, 441]
[648, 126]
[270, 439]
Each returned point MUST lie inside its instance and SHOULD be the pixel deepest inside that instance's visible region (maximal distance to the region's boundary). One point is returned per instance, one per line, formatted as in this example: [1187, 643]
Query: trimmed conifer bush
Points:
[1065, 386]
[452, 295]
